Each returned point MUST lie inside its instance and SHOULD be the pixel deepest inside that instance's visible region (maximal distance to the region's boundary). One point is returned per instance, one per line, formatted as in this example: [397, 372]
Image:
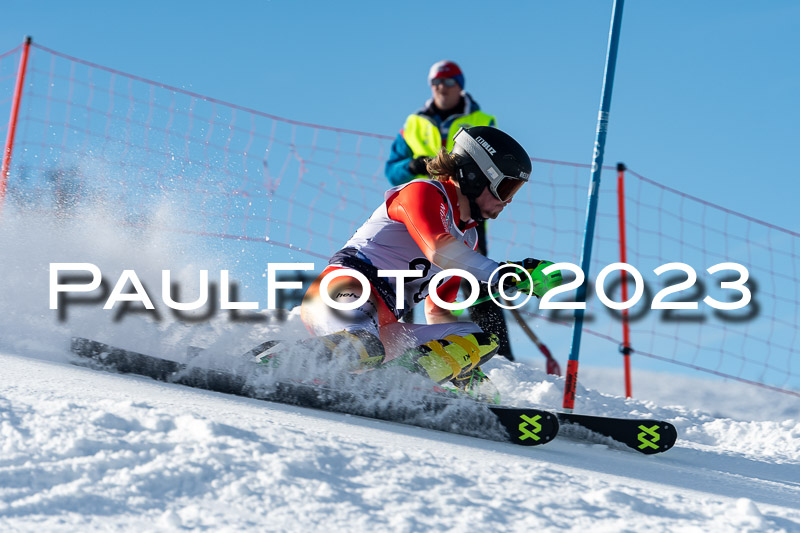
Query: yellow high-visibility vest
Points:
[424, 138]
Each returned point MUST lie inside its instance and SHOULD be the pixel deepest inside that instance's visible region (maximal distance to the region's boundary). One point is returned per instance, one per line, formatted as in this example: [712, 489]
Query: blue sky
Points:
[705, 98]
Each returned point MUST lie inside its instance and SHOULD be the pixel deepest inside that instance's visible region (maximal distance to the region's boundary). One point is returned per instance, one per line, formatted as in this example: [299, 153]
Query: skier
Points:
[427, 225]
[424, 133]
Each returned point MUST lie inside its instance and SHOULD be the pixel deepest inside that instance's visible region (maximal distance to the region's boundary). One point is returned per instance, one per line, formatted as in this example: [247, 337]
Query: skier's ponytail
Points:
[442, 167]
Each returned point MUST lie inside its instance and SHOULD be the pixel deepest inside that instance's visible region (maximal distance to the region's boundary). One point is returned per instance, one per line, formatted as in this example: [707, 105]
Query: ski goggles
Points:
[502, 186]
[448, 82]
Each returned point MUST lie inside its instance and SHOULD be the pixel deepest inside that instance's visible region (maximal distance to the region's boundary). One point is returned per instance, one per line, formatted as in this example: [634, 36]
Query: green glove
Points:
[541, 282]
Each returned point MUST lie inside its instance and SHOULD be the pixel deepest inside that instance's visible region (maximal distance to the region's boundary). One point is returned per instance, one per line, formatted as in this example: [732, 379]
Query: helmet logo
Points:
[486, 145]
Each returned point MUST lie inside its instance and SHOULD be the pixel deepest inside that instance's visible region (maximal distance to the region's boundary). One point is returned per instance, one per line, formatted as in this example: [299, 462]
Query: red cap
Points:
[446, 69]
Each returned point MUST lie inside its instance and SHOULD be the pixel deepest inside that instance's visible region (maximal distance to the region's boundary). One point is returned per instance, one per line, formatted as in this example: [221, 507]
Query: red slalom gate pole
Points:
[625, 347]
[12, 122]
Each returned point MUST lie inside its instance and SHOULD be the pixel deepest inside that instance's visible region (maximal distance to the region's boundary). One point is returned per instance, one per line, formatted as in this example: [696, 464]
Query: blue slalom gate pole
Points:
[591, 209]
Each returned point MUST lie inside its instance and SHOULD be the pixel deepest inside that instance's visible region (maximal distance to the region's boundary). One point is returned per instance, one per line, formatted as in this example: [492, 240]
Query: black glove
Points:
[418, 165]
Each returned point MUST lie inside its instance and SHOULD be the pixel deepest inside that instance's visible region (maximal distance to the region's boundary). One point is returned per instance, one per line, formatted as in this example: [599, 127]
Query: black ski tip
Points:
[656, 438]
[644, 435]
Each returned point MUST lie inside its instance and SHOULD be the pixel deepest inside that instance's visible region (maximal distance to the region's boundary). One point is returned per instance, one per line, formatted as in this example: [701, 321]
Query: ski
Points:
[521, 426]
[644, 435]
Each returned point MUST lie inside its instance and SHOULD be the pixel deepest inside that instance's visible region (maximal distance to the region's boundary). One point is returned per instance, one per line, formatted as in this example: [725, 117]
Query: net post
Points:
[591, 209]
[12, 121]
[625, 347]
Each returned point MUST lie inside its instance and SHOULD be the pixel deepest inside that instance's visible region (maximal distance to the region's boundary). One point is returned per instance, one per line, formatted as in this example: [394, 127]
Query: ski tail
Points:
[124, 361]
[107, 357]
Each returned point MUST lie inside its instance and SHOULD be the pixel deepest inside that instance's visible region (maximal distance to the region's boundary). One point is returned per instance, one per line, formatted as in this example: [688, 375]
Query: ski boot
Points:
[444, 359]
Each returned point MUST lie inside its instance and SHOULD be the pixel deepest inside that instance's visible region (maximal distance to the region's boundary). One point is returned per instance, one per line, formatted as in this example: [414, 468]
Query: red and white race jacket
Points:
[417, 227]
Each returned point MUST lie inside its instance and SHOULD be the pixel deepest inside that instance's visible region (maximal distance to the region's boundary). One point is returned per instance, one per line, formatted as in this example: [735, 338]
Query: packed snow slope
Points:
[86, 450]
